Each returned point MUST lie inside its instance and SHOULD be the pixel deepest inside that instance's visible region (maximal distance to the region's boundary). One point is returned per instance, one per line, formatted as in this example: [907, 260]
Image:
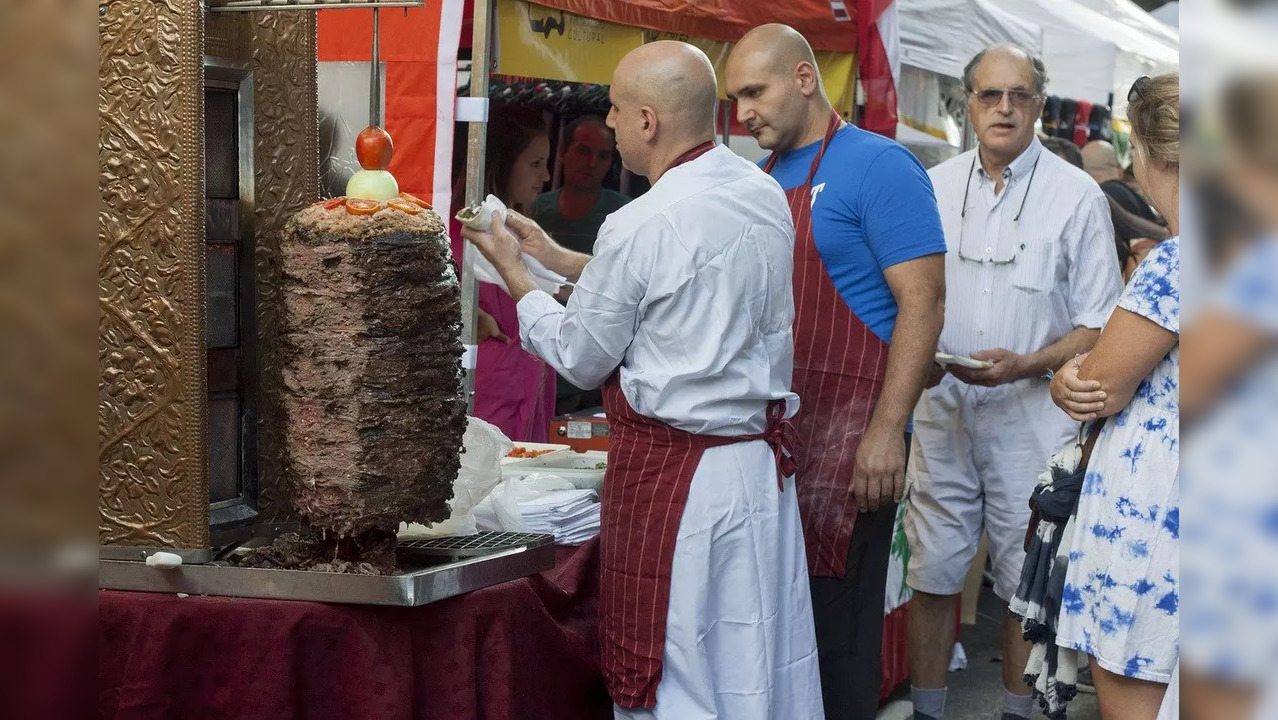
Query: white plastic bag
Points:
[483, 447]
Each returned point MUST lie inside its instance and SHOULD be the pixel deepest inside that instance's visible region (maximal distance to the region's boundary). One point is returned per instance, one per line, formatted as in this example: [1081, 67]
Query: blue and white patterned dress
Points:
[1122, 591]
[1230, 559]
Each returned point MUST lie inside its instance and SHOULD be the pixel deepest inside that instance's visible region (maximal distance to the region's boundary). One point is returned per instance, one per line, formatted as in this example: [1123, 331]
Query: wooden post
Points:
[476, 138]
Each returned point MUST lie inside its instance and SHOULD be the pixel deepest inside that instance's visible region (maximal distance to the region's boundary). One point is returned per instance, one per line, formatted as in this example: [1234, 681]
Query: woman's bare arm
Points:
[1128, 350]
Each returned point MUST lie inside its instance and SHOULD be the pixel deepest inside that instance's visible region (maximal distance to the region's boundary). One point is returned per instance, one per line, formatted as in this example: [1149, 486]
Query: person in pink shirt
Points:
[513, 390]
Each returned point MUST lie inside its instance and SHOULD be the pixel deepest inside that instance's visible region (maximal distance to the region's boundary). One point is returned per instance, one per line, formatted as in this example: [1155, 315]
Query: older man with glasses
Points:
[1031, 276]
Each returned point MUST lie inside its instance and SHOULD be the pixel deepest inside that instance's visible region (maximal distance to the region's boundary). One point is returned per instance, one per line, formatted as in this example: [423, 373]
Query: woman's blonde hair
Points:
[1154, 112]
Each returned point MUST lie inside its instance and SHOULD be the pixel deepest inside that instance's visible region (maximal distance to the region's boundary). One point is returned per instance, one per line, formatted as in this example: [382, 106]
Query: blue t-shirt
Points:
[872, 208]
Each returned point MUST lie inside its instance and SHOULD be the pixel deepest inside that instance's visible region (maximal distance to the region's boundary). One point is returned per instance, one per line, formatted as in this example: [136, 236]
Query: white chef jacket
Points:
[690, 293]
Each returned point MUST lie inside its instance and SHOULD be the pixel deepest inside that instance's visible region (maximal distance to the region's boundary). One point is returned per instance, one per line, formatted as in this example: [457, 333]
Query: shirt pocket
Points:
[1035, 267]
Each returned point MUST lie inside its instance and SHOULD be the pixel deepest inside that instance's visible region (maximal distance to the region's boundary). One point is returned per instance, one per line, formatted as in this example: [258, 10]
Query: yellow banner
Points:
[838, 70]
[535, 41]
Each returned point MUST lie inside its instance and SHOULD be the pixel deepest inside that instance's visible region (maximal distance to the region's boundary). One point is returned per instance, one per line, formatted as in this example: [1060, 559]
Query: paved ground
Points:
[977, 692]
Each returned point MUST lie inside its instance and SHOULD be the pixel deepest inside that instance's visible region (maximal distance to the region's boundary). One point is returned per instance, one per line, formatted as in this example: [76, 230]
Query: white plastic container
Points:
[534, 447]
[583, 470]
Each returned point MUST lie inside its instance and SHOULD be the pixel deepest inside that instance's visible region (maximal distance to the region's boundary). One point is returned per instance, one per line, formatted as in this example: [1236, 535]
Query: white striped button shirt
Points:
[1022, 285]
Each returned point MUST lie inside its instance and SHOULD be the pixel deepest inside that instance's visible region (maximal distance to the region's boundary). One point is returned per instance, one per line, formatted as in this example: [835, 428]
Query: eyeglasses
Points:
[993, 97]
[963, 215]
[1137, 93]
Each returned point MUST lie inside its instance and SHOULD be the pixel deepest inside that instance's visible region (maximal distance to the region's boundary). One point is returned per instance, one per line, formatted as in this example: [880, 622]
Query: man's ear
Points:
[648, 122]
[807, 77]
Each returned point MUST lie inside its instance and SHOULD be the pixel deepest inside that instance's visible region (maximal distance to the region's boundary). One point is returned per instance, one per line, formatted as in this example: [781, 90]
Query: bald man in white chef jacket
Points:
[684, 317]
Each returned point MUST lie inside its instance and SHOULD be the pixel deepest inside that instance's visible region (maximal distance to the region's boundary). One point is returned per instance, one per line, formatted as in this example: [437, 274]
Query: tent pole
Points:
[725, 111]
[475, 141]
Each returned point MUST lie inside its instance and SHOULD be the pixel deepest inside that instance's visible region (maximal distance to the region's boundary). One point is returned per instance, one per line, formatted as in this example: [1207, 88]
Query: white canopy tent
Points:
[1133, 15]
[1168, 14]
[1090, 55]
[937, 38]
[942, 35]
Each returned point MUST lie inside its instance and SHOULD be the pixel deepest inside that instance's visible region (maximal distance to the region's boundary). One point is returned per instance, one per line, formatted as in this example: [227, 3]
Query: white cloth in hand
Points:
[547, 280]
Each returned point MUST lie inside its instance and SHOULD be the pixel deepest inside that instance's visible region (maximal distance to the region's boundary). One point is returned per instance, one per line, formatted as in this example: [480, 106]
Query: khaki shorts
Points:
[975, 458]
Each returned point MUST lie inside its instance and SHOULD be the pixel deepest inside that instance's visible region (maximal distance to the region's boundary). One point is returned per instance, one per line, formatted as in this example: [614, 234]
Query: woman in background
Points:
[1121, 602]
[513, 390]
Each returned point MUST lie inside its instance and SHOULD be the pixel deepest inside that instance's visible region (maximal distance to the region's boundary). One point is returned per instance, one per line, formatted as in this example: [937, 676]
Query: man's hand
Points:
[936, 376]
[1080, 399]
[1007, 368]
[488, 329]
[532, 239]
[879, 475]
[499, 245]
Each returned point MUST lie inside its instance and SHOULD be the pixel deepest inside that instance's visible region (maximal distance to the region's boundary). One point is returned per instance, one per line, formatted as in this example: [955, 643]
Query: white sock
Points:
[928, 702]
[1018, 705]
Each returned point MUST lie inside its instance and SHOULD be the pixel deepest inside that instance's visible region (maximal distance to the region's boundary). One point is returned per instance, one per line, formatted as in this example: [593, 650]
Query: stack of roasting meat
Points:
[370, 352]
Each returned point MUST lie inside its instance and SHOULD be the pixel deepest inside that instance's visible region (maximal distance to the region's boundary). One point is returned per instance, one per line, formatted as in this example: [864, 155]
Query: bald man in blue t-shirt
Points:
[869, 303]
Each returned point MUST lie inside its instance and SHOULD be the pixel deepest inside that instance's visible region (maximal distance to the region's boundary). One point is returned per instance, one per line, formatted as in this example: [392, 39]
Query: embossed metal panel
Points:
[153, 479]
[152, 403]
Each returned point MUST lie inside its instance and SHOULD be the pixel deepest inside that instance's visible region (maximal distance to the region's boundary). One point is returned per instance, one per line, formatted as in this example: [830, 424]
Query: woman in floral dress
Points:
[1122, 590]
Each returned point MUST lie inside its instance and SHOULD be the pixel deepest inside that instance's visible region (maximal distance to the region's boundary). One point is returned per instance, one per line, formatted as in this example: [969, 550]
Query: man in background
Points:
[574, 213]
[1100, 160]
[1031, 276]
[1134, 236]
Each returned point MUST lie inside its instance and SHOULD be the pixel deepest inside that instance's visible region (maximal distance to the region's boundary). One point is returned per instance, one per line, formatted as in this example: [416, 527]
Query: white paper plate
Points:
[963, 361]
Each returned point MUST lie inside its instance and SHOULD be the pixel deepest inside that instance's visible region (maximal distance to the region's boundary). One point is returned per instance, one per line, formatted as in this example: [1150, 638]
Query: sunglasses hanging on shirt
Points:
[1016, 220]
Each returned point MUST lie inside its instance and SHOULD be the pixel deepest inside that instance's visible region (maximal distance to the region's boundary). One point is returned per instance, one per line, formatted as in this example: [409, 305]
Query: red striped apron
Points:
[838, 372]
[650, 469]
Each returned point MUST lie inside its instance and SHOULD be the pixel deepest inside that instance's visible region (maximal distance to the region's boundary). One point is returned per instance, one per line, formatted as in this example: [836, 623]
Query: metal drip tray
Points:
[432, 569]
[459, 546]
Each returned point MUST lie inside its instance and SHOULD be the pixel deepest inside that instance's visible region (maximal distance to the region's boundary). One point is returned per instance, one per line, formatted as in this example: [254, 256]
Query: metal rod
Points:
[256, 6]
[375, 89]
[475, 143]
[725, 114]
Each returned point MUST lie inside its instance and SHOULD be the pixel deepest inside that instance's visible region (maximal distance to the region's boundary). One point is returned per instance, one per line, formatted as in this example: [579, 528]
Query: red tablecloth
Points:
[522, 650]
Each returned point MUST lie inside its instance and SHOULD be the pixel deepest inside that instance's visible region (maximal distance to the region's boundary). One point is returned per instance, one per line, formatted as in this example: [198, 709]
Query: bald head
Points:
[673, 78]
[1100, 160]
[781, 47]
[663, 103]
[772, 76]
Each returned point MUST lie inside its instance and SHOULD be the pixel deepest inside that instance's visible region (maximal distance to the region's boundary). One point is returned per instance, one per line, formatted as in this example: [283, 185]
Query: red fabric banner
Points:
[875, 70]
[420, 56]
[827, 24]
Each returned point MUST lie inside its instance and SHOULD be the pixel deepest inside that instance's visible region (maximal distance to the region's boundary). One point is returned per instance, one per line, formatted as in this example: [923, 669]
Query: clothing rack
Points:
[564, 99]
[1078, 121]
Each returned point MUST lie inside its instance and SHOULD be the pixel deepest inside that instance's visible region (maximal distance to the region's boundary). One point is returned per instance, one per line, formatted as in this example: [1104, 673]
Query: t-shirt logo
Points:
[816, 190]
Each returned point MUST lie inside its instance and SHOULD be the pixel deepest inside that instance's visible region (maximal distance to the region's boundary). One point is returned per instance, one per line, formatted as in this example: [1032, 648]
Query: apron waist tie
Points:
[780, 436]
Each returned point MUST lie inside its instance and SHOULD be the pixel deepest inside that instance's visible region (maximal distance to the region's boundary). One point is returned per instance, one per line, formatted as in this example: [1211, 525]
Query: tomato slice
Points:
[403, 206]
[329, 203]
[414, 200]
[360, 206]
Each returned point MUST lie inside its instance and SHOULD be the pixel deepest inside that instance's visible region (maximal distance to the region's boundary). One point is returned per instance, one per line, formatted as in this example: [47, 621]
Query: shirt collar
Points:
[1019, 168]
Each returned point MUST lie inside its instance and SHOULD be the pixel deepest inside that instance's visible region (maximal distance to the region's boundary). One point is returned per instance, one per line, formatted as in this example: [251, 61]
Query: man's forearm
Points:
[1051, 358]
[910, 360]
[565, 262]
[518, 280]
